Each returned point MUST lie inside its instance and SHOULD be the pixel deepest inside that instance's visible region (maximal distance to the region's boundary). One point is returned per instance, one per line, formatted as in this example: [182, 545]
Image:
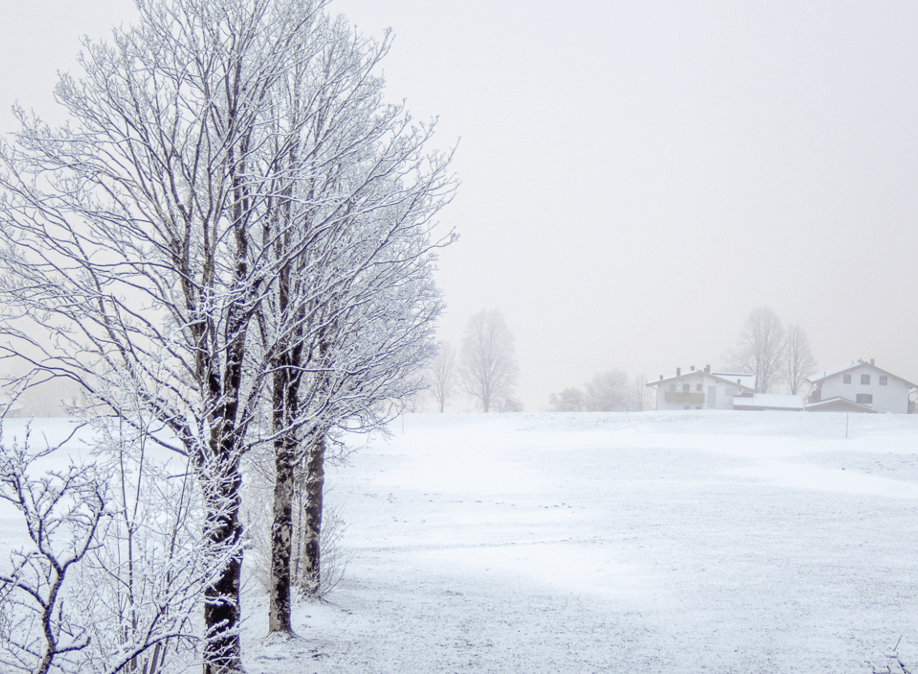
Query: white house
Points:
[706, 390]
[859, 387]
[701, 389]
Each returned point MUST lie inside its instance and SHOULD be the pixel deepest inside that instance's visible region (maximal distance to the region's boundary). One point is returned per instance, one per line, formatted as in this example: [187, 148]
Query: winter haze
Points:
[637, 177]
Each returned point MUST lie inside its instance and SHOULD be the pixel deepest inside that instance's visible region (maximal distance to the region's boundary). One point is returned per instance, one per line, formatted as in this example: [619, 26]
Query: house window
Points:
[686, 407]
[865, 398]
[846, 379]
[686, 388]
[865, 378]
[882, 380]
[698, 387]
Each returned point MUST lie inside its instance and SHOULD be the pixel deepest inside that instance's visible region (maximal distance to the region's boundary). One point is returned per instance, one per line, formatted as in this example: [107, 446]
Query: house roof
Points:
[839, 404]
[741, 378]
[769, 401]
[745, 381]
[822, 376]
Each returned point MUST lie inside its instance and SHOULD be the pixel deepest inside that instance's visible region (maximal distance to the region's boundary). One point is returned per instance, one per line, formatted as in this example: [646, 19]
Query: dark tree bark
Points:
[222, 648]
[286, 454]
[312, 520]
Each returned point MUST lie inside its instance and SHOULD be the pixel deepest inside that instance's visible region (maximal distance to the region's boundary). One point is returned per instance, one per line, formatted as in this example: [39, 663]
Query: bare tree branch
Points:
[760, 349]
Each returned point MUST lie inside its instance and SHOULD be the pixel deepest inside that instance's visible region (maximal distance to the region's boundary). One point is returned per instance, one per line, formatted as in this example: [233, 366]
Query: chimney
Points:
[871, 361]
[693, 368]
[661, 377]
[678, 371]
[707, 368]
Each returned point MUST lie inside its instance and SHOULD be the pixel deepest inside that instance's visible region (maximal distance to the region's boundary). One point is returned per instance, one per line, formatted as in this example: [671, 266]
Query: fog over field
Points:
[636, 178]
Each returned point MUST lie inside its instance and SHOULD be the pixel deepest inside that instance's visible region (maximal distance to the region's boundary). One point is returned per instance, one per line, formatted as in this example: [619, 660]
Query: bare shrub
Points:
[111, 575]
[63, 511]
[894, 664]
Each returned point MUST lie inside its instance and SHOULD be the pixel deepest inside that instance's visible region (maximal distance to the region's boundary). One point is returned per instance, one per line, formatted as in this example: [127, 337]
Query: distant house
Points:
[859, 387]
[701, 389]
[706, 390]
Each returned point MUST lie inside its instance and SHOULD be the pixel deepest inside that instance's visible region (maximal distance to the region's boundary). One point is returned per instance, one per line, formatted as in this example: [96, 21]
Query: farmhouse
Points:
[702, 389]
[859, 386]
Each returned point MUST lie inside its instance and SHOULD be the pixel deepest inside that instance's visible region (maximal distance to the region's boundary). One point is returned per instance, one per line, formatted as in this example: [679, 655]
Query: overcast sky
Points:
[637, 177]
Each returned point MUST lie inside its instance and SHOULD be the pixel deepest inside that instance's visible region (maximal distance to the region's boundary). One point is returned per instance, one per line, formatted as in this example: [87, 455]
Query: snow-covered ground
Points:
[624, 542]
[641, 542]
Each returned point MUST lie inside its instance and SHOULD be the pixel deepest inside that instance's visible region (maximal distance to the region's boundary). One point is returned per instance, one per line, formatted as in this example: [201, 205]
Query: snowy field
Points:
[624, 542]
[641, 542]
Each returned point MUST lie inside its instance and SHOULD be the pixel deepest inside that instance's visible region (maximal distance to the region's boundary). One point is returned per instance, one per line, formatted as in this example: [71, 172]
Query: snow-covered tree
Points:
[232, 228]
[760, 349]
[347, 319]
[799, 362]
[607, 392]
[229, 209]
[487, 363]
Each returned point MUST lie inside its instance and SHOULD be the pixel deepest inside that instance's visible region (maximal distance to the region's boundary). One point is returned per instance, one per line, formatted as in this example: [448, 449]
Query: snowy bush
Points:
[112, 574]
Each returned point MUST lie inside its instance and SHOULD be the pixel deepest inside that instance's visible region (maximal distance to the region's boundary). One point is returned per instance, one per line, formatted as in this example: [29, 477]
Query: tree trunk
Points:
[284, 399]
[220, 474]
[222, 649]
[282, 535]
[312, 530]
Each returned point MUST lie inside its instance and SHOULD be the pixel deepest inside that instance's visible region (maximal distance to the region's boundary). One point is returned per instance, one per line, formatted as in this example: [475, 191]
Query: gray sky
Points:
[638, 176]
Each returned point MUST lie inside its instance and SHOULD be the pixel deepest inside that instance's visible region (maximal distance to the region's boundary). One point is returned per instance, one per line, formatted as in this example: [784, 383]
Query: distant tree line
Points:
[609, 391]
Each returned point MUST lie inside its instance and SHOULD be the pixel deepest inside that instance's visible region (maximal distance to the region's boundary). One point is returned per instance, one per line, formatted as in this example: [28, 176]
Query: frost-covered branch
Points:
[62, 511]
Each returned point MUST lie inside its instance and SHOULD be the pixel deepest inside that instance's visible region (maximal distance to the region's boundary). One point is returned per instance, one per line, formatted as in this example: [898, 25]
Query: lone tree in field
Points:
[443, 375]
[232, 238]
[488, 365]
[799, 360]
[760, 349]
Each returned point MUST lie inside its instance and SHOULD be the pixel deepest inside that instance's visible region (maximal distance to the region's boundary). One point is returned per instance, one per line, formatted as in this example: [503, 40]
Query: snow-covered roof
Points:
[746, 381]
[822, 376]
[838, 404]
[819, 376]
[769, 401]
[741, 378]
